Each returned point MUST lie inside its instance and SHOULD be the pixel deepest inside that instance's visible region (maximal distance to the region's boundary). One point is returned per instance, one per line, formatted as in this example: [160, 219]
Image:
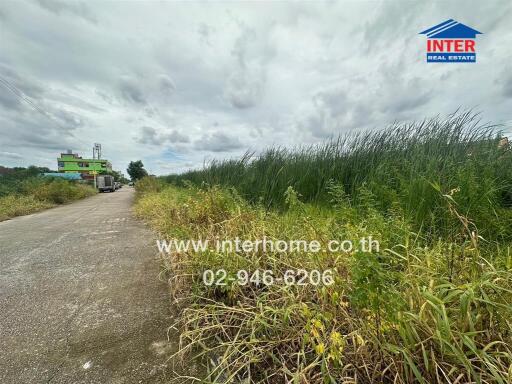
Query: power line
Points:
[18, 93]
[22, 96]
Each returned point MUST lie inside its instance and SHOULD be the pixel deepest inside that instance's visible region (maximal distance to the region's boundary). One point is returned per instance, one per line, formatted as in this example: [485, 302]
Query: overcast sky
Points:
[175, 84]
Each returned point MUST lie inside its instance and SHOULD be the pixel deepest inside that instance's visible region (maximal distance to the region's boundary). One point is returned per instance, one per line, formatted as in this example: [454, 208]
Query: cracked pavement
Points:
[80, 296]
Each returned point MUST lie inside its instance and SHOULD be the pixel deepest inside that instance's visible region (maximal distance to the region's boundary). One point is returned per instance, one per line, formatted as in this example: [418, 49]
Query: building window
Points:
[61, 164]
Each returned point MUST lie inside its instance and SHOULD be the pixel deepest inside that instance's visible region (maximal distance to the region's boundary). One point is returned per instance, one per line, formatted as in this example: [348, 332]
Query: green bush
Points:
[148, 184]
[61, 191]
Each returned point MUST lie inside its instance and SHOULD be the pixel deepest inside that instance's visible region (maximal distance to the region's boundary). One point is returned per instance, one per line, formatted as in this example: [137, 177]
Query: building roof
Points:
[70, 155]
[67, 176]
[450, 29]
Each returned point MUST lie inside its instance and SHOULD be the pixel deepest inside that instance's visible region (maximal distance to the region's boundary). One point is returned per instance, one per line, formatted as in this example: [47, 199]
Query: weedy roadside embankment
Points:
[432, 305]
[28, 195]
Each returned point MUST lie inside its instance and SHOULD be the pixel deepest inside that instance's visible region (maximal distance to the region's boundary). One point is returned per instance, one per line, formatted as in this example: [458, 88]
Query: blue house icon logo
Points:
[451, 42]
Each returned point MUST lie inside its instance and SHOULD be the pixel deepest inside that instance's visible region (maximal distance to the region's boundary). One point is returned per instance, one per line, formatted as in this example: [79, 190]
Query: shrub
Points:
[61, 191]
[148, 184]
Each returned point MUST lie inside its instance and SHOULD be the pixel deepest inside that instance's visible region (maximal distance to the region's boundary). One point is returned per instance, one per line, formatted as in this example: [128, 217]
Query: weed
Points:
[402, 315]
[432, 305]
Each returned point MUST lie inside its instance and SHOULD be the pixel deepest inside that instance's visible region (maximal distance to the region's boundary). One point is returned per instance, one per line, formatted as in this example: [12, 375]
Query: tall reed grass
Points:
[403, 165]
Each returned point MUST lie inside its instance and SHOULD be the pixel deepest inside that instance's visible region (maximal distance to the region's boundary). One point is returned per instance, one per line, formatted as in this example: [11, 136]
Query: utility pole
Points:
[96, 155]
[96, 151]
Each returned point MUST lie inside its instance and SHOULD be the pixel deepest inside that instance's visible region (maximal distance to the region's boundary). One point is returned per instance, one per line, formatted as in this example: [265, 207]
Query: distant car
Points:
[105, 183]
[130, 183]
[117, 185]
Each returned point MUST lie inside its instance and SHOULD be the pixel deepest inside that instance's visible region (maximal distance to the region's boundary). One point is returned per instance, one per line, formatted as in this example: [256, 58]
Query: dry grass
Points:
[35, 194]
[419, 311]
[19, 205]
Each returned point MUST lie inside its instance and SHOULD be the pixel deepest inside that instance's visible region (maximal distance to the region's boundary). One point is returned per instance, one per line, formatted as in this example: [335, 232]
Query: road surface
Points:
[80, 296]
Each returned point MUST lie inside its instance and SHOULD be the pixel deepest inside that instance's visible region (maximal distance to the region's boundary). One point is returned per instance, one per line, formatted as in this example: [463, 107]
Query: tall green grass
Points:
[403, 166]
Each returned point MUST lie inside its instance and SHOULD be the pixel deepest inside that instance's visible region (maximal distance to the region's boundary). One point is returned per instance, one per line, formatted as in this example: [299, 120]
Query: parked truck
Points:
[105, 183]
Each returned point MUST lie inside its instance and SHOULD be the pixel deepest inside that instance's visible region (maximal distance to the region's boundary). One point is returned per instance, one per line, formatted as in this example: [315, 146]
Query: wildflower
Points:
[320, 348]
[336, 338]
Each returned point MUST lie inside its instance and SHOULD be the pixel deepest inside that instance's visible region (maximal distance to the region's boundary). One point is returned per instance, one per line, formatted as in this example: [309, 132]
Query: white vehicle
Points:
[105, 183]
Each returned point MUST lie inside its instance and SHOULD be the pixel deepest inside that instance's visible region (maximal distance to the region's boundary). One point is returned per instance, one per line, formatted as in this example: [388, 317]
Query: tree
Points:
[136, 170]
[118, 176]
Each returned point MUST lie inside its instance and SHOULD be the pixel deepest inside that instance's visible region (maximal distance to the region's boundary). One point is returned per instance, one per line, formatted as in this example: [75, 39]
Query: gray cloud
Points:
[131, 91]
[43, 135]
[245, 85]
[166, 84]
[69, 120]
[506, 83]
[175, 137]
[400, 96]
[205, 32]
[74, 8]
[391, 23]
[218, 142]
[15, 85]
[9, 100]
[152, 136]
[335, 110]
[32, 117]
[148, 135]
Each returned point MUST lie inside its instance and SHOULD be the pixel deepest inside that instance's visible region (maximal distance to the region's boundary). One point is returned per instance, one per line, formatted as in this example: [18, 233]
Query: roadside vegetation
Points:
[23, 191]
[433, 305]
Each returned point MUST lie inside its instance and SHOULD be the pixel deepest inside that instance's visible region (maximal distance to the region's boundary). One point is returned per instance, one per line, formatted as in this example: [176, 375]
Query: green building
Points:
[70, 162]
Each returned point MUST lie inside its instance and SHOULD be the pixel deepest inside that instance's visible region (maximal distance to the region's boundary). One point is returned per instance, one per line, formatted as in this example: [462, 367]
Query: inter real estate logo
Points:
[451, 42]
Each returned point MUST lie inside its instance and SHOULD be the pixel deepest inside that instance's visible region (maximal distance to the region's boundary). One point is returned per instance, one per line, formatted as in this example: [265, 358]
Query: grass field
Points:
[434, 304]
[23, 192]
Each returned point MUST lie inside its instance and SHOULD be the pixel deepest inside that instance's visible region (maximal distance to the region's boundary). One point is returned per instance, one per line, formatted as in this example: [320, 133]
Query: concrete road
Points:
[80, 296]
